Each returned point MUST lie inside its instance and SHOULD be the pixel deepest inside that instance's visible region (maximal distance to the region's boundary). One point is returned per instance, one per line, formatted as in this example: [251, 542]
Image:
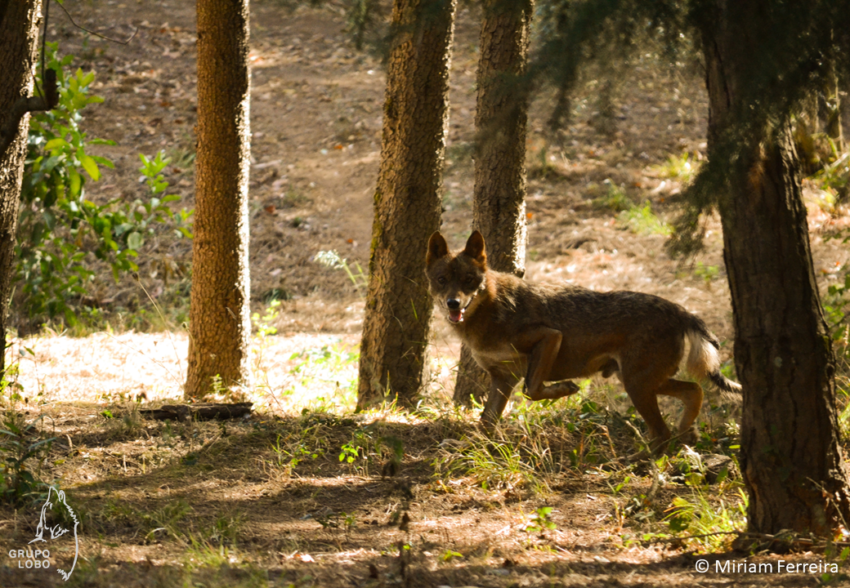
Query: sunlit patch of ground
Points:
[107, 367]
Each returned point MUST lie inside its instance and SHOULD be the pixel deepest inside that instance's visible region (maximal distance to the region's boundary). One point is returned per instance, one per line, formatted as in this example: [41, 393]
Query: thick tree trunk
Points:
[498, 209]
[18, 56]
[407, 202]
[790, 453]
[220, 324]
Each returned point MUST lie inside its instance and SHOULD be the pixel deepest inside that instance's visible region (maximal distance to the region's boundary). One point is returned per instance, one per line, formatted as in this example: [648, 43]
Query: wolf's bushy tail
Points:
[703, 360]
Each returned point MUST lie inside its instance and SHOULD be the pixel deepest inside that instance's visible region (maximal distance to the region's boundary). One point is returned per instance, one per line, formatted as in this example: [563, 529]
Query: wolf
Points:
[549, 335]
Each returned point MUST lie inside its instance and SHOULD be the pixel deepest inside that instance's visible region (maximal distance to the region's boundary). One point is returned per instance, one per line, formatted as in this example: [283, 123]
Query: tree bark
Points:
[220, 324]
[18, 56]
[790, 456]
[407, 202]
[498, 209]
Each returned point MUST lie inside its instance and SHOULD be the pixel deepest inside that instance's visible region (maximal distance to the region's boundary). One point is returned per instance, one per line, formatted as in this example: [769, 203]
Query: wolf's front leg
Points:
[501, 386]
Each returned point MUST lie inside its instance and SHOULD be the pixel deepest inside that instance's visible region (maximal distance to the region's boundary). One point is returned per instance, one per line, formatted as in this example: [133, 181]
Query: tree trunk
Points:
[220, 324]
[790, 454]
[407, 202]
[832, 111]
[18, 56]
[498, 209]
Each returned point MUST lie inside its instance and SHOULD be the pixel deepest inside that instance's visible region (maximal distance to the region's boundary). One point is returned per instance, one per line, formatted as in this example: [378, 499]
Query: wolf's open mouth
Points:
[456, 316]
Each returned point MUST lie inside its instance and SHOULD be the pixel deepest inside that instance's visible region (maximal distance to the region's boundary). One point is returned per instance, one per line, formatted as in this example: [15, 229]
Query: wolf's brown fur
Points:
[549, 334]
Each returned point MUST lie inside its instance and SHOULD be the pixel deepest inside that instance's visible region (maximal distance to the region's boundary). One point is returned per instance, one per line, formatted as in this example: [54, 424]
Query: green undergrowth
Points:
[640, 219]
[67, 242]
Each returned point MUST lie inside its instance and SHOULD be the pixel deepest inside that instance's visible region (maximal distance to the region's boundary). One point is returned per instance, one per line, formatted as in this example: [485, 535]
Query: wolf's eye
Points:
[470, 280]
[442, 281]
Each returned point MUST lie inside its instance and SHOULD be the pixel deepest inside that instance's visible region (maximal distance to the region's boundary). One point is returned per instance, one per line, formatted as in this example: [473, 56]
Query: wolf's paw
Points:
[688, 436]
[552, 391]
[560, 390]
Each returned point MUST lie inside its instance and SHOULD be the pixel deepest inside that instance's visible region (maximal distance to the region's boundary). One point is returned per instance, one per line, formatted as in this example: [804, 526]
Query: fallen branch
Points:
[787, 540]
[204, 411]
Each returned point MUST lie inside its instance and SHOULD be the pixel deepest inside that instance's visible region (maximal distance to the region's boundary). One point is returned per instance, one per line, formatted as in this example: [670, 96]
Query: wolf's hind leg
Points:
[645, 401]
[690, 394]
[501, 386]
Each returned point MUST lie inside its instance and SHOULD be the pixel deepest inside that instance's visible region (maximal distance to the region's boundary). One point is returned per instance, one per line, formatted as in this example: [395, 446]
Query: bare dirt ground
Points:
[274, 499]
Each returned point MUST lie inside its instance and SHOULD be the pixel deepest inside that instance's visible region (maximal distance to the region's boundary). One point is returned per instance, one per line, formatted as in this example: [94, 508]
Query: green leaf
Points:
[103, 160]
[76, 182]
[54, 143]
[37, 234]
[679, 524]
[70, 317]
[90, 165]
[52, 195]
[48, 164]
[134, 241]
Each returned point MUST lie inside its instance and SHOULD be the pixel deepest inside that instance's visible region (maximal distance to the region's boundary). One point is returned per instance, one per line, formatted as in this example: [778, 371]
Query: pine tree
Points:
[407, 202]
[219, 322]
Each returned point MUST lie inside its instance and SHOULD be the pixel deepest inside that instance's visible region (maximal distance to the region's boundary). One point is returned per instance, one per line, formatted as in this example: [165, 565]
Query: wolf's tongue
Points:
[455, 315]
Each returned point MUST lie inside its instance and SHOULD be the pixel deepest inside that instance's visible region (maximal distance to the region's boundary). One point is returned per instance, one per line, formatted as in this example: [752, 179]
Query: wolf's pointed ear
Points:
[437, 248]
[475, 247]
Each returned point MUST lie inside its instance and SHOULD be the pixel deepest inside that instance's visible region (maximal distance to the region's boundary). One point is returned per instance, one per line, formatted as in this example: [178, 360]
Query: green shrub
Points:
[20, 445]
[57, 226]
[643, 221]
[614, 199]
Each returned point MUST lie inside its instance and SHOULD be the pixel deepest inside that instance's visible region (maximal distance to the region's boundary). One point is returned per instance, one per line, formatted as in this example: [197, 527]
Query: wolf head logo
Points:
[56, 508]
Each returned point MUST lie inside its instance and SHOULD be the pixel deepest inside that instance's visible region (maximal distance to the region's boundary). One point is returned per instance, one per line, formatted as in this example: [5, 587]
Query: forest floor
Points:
[305, 492]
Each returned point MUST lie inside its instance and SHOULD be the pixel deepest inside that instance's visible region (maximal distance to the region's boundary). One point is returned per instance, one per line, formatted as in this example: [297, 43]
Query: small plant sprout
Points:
[614, 199]
[706, 272]
[680, 168]
[264, 324]
[349, 453]
[449, 555]
[643, 221]
[333, 260]
[707, 521]
[264, 327]
[617, 488]
[540, 521]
